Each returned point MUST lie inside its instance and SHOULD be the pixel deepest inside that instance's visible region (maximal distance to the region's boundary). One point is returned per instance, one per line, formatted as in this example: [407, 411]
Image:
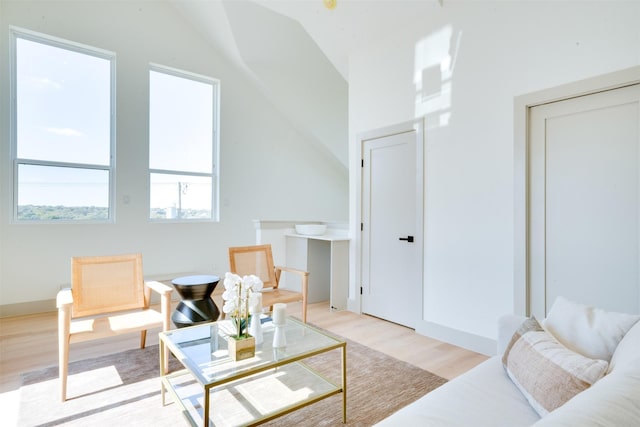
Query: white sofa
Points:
[487, 396]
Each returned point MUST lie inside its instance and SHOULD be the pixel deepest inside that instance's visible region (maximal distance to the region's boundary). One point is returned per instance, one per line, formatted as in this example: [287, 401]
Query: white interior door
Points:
[392, 224]
[584, 196]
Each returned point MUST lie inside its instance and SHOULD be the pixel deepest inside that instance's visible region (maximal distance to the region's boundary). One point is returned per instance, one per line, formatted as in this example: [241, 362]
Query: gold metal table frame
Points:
[276, 381]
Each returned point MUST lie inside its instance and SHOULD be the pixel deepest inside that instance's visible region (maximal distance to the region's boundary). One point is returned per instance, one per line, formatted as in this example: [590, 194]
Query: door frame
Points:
[522, 108]
[418, 126]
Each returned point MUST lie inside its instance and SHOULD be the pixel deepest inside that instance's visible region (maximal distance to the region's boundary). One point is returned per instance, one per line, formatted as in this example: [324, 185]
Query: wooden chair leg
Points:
[305, 288]
[63, 352]
[143, 338]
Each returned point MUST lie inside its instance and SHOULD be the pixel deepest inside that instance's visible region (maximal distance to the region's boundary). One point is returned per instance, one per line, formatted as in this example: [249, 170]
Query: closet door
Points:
[392, 217]
[584, 201]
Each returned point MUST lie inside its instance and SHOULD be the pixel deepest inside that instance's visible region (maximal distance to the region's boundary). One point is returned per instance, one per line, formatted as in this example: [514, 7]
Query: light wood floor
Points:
[30, 342]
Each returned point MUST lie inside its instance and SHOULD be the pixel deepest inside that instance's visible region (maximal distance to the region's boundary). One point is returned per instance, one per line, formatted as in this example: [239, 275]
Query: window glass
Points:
[62, 136]
[180, 196]
[181, 123]
[183, 116]
[62, 193]
[64, 104]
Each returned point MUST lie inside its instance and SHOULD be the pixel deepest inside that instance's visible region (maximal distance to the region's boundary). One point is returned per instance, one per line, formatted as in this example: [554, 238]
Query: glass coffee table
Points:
[212, 389]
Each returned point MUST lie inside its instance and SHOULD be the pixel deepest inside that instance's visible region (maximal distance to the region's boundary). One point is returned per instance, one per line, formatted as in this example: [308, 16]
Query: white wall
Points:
[462, 66]
[267, 168]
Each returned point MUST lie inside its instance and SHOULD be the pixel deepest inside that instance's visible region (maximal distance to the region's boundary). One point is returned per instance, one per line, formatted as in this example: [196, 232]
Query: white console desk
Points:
[326, 258]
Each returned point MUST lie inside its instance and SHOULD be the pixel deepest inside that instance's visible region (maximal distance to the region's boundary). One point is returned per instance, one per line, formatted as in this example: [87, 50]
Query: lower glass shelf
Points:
[253, 399]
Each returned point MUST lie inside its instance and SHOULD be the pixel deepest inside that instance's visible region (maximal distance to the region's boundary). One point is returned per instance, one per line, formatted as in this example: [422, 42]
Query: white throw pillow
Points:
[590, 331]
[628, 351]
[547, 373]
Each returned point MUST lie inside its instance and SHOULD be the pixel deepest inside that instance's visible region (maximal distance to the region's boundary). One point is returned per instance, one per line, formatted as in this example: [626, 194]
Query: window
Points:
[183, 143]
[62, 129]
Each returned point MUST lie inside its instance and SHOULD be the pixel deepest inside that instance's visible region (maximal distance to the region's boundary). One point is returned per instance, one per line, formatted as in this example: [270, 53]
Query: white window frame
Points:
[214, 174]
[15, 34]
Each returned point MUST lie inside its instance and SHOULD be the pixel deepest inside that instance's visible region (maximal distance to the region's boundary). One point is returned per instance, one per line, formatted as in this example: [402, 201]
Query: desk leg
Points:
[344, 384]
[205, 413]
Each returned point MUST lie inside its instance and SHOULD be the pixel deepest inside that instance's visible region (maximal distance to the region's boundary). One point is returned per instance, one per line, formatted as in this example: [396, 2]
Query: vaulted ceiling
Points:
[297, 53]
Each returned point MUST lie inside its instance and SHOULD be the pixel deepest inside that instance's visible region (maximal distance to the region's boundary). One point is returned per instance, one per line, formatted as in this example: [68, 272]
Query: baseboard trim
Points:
[26, 308]
[462, 339]
[49, 305]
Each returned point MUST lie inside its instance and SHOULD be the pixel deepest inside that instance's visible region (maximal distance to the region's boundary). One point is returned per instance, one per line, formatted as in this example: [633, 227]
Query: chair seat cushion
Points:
[85, 329]
[271, 296]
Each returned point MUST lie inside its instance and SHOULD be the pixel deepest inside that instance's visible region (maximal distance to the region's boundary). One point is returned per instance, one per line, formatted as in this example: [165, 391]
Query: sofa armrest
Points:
[507, 326]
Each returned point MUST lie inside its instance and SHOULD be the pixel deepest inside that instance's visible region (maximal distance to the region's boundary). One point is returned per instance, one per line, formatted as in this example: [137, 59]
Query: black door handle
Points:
[408, 239]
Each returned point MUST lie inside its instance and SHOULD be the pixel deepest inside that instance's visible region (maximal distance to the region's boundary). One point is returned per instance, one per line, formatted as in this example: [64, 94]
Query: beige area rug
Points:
[123, 389]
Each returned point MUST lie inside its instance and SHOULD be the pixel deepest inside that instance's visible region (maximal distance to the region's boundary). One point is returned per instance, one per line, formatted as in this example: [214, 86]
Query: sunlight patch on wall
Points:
[435, 58]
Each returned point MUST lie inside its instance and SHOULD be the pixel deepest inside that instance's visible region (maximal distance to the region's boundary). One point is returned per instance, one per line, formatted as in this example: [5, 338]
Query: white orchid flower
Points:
[239, 296]
[229, 306]
[252, 282]
[231, 280]
[243, 293]
[229, 294]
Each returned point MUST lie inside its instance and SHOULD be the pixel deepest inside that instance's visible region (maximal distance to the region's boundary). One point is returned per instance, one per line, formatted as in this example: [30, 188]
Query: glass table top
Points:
[202, 349]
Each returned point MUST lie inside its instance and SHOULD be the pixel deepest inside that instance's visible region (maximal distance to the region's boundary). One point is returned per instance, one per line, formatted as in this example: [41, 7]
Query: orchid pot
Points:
[240, 294]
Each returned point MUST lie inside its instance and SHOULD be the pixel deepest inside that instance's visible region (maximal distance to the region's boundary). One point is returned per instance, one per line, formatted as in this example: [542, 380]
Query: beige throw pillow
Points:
[546, 372]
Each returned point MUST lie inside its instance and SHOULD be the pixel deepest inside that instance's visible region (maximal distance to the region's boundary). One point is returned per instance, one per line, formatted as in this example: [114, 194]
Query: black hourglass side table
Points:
[196, 305]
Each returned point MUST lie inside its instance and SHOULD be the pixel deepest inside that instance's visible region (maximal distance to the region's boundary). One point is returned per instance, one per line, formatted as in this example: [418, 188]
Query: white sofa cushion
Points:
[590, 331]
[545, 371]
[628, 351]
[483, 396]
